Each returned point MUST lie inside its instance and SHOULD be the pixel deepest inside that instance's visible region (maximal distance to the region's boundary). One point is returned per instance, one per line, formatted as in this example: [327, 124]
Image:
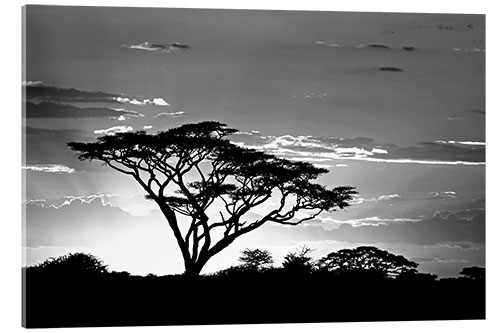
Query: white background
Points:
[10, 191]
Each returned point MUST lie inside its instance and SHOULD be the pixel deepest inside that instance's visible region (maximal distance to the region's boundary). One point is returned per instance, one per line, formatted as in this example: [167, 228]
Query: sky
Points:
[393, 104]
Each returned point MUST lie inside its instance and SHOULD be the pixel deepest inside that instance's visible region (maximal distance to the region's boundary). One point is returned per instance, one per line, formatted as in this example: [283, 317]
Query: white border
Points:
[10, 234]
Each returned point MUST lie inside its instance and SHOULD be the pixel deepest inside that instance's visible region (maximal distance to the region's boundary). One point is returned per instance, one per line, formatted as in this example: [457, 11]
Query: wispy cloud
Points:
[128, 113]
[428, 231]
[406, 197]
[40, 92]
[468, 143]
[368, 221]
[329, 149]
[56, 110]
[32, 83]
[436, 260]
[146, 127]
[113, 130]
[50, 168]
[158, 47]
[309, 95]
[476, 111]
[171, 114]
[474, 49]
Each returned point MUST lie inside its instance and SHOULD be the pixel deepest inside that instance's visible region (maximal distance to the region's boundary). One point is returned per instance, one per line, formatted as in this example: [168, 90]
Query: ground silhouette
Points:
[301, 290]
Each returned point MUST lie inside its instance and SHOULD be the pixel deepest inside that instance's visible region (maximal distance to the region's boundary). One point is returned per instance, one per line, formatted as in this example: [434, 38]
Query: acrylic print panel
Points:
[197, 166]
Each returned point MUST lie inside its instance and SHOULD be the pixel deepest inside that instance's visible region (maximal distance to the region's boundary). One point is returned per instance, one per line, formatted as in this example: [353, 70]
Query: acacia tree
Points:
[256, 259]
[299, 261]
[205, 185]
[474, 273]
[366, 259]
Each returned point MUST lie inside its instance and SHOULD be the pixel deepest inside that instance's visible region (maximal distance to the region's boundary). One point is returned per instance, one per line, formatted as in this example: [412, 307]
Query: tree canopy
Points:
[205, 185]
[256, 259]
[366, 259]
[299, 261]
[474, 273]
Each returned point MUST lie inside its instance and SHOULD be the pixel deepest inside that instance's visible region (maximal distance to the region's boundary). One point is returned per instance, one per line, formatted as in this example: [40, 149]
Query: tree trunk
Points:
[193, 268]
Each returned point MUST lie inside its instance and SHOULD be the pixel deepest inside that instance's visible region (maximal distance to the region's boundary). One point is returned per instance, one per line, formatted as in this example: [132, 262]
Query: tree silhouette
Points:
[299, 261]
[205, 185]
[474, 273]
[368, 259]
[256, 259]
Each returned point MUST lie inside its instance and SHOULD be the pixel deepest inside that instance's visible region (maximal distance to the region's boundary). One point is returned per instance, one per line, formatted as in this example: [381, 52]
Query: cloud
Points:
[54, 94]
[157, 101]
[433, 231]
[358, 200]
[389, 69]
[467, 143]
[113, 130]
[330, 149]
[54, 110]
[68, 200]
[474, 49]
[80, 222]
[40, 93]
[389, 197]
[32, 83]
[158, 47]
[435, 260]
[464, 246]
[310, 95]
[88, 199]
[146, 127]
[128, 113]
[50, 168]
[46, 146]
[437, 195]
[476, 111]
[171, 114]
[368, 221]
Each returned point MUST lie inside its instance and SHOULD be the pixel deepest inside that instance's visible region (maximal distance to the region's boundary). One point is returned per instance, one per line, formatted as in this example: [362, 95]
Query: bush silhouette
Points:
[72, 263]
[414, 276]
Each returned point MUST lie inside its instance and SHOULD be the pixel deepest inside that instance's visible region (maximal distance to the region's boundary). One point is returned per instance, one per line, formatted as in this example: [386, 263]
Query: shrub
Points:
[73, 263]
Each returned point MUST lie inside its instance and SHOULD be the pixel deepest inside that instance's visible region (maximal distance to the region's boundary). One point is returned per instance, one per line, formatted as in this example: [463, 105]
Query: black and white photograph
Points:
[196, 166]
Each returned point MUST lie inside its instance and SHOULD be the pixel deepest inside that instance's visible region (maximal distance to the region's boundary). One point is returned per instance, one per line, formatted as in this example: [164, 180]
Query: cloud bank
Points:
[40, 93]
[330, 149]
